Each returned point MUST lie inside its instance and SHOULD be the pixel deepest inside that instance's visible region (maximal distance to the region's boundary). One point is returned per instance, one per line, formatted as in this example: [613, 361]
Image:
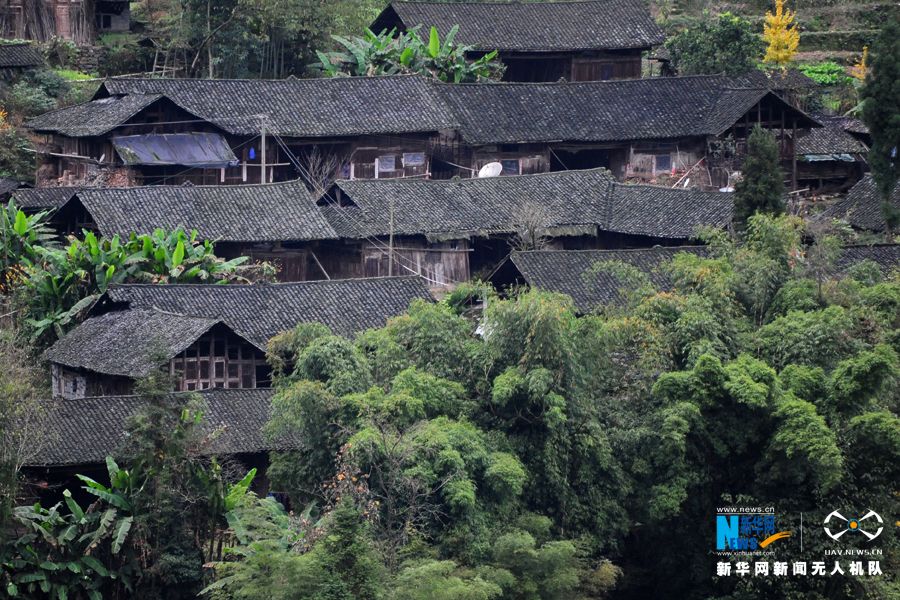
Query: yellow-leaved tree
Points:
[781, 34]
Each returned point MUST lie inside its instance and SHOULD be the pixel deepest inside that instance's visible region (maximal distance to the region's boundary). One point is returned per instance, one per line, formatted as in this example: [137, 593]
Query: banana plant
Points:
[172, 256]
[222, 497]
[69, 555]
[20, 234]
[390, 52]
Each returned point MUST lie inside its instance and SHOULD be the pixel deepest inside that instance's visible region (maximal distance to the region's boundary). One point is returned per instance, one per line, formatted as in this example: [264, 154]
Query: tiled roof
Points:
[656, 108]
[8, 184]
[19, 56]
[535, 26]
[43, 198]
[848, 124]
[570, 202]
[862, 206]
[488, 113]
[666, 212]
[564, 271]
[87, 430]
[132, 323]
[464, 207]
[123, 342]
[92, 118]
[259, 312]
[302, 107]
[236, 213]
[781, 79]
[828, 140]
[886, 256]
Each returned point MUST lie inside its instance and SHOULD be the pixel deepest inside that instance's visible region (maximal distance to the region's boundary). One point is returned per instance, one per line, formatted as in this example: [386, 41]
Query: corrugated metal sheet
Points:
[205, 150]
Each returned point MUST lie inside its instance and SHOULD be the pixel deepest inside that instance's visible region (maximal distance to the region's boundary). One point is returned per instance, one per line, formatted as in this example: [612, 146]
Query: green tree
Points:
[761, 186]
[881, 115]
[726, 44]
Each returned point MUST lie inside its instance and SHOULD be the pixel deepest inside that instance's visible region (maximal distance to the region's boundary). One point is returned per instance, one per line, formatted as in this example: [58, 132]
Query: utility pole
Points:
[391, 242]
[262, 150]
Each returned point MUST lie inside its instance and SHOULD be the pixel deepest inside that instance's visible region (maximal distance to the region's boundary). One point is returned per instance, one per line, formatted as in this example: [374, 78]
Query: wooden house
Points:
[79, 433]
[862, 206]
[203, 131]
[278, 223]
[14, 58]
[829, 158]
[214, 132]
[445, 230]
[442, 230]
[8, 185]
[571, 272]
[210, 336]
[638, 129]
[74, 20]
[540, 41]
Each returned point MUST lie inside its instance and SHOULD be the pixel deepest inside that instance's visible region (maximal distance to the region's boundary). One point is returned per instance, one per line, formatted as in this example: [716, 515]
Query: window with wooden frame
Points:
[218, 359]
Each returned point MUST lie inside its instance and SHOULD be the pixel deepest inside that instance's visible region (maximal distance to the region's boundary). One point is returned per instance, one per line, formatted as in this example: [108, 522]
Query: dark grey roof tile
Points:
[535, 26]
[826, 140]
[568, 203]
[596, 111]
[303, 107]
[43, 198]
[92, 118]
[19, 56]
[236, 213]
[123, 342]
[862, 206]
[564, 271]
[259, 312]
[87, 430]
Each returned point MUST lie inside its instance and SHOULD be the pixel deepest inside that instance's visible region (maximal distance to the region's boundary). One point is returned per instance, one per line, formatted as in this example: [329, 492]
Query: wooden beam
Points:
[794, 153]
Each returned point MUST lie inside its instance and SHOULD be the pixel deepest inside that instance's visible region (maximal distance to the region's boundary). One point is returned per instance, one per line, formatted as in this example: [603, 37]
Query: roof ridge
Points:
[610, 82]
[514, 2]
[656, 248]
[396, 180]
[319, 282]
[265, 81]
[173, 393]
[192, 187]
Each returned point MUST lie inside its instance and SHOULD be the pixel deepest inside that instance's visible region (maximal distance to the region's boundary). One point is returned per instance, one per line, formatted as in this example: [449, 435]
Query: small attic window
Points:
[510, 167]
[663, 162]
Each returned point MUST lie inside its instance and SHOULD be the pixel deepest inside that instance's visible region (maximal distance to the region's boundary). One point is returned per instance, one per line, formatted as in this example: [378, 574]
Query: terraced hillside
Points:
[830, 30]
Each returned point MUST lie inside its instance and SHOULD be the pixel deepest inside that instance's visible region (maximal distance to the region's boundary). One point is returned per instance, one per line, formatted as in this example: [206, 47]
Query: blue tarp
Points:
[203, 150]
[827, 157]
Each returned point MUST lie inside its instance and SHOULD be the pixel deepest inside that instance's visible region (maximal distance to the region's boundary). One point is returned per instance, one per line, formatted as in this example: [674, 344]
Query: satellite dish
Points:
[490, 170]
